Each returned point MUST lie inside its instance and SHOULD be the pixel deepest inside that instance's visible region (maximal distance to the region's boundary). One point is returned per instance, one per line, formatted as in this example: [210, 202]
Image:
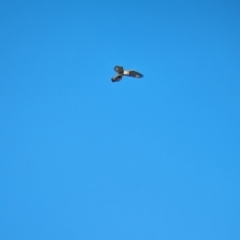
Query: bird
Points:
[121, 72]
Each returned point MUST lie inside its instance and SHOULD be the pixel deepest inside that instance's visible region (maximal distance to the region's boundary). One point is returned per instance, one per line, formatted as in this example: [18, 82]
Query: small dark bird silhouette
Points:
[121, 72]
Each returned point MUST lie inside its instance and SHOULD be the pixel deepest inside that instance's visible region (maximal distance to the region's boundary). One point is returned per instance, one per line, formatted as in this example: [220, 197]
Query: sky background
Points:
[84, 158]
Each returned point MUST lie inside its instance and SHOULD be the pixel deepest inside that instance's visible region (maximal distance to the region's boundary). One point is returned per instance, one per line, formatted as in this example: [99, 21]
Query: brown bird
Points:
[121, 72]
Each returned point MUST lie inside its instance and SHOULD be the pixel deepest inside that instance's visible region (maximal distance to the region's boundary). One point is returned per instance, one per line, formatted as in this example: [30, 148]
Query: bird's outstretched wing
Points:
[117, 78]
[118, 69]
[133, 73]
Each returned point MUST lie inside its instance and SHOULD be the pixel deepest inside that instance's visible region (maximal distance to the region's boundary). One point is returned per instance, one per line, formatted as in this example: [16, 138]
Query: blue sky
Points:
[84, 158]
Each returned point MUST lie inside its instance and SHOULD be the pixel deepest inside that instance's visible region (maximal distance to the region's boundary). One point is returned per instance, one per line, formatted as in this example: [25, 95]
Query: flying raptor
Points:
[121, 72]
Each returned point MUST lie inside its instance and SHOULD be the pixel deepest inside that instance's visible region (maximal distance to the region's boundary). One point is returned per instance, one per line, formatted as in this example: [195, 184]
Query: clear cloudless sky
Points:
[154, 158]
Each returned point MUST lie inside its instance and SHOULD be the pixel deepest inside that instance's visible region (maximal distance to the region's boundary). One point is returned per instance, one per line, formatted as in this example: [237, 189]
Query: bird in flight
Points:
[121, 72]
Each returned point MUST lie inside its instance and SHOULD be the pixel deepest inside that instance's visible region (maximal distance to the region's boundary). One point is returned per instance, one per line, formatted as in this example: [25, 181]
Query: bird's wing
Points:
[118, 69]
[133, 73]
[117, 78]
